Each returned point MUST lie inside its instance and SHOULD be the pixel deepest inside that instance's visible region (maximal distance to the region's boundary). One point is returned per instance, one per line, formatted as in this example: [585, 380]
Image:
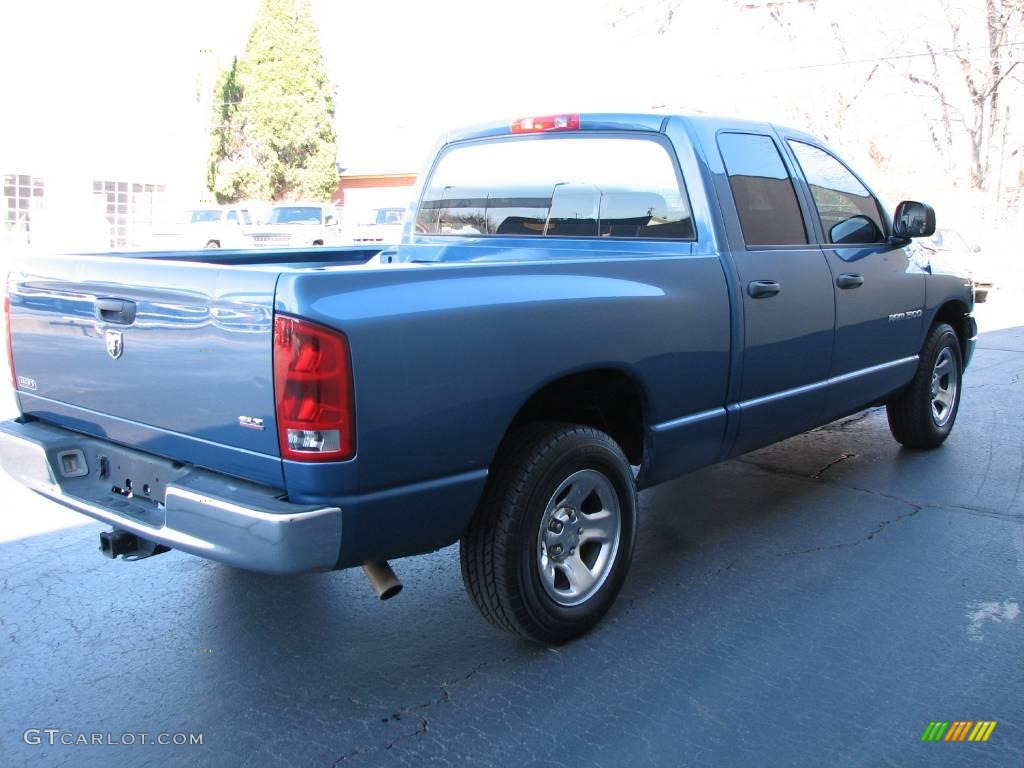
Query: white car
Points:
[297, 225]
[950, 252]
[218, 226]
[381, 225]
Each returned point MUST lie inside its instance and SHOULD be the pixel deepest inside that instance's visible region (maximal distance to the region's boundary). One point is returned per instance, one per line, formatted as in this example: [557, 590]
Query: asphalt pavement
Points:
[818, 602]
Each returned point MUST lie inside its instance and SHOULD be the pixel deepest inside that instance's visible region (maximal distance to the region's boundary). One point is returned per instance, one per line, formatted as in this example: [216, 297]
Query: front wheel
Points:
[549, 548]
[922, 416]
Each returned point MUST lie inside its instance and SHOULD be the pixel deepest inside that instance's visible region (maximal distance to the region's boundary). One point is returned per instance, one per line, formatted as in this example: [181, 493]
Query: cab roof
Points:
[653, 122]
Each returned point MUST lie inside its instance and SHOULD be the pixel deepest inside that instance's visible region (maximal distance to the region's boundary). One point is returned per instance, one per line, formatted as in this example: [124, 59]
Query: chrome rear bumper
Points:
[194, 510]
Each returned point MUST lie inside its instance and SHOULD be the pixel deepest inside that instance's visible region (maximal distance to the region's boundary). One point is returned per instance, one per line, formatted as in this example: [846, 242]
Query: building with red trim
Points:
[359, 193]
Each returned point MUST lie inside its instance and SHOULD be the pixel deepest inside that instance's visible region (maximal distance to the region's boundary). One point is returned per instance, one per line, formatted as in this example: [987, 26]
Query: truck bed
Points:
[173, 376]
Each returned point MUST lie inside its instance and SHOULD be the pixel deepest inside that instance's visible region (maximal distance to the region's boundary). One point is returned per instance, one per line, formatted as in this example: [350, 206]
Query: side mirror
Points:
[975, 249]
[331, 221]
[913, 219]
[855, 230]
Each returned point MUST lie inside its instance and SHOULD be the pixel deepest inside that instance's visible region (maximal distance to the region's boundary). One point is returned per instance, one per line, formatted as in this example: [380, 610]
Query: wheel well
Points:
[953, 312]
[605, 399]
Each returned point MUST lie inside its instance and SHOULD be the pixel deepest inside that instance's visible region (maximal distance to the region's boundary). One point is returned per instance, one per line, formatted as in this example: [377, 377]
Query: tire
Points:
[550, 482]
[213, 244]
[922, 415]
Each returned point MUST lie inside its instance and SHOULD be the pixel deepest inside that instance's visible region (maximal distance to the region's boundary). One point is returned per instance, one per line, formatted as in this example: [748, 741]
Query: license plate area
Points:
[132, 478]
[118, 479]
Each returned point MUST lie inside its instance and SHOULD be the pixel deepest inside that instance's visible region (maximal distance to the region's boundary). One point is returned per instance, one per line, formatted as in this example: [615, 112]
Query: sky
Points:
[406, 72]
[119, 77]
[110, 85]
[109, 80]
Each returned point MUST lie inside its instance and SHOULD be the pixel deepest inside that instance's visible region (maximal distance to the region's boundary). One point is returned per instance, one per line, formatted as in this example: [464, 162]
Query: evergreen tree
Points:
[273, 116]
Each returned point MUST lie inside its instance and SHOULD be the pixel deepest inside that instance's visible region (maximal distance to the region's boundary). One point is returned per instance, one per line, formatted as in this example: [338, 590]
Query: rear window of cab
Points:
[566, 186]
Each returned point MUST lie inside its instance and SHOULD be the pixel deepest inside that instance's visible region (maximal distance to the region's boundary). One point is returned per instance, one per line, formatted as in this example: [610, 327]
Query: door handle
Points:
[762, 289]
[850, 280]
[120, 311]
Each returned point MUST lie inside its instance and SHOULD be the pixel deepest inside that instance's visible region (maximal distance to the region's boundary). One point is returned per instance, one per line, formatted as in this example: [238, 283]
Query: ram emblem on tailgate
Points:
[115, 344]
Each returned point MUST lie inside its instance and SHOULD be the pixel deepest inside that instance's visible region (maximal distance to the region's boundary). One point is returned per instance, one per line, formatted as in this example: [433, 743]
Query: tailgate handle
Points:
[116, 311]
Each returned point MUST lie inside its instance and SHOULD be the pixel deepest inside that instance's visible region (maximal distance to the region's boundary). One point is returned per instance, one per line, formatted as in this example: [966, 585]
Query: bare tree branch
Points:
[965, 64]
[864, 85]
[995, 84]
[942, 99]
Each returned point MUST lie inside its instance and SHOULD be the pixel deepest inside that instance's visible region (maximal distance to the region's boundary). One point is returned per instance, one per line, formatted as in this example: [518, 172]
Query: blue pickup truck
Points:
[580, 306]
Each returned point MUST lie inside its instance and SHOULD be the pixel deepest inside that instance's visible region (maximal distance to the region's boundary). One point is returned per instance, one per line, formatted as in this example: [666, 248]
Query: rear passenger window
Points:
[764, 194]
[569, 186]
[848, 212]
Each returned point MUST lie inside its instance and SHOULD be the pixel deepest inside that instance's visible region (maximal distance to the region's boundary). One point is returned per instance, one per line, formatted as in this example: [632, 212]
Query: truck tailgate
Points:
[168, 357]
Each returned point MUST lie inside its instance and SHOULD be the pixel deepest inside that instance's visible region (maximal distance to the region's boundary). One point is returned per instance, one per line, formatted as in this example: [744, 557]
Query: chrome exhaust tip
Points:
[383, 580]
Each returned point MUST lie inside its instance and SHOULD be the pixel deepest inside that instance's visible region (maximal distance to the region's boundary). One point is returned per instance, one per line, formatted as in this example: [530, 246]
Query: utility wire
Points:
[894, 57]
[820, 65]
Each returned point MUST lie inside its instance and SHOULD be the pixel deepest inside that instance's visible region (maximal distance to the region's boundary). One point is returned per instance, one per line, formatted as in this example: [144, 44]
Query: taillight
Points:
[547, 123]
[7, 330]
[313, 391]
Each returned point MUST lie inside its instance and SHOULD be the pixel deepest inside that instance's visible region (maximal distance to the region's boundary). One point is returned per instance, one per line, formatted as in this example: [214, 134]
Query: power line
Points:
[894, 57]
[819, 65]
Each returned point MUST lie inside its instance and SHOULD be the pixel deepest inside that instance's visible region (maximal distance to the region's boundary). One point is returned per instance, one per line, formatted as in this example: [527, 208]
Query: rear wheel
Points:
[550, 546]
[213, 244]
[922, 416]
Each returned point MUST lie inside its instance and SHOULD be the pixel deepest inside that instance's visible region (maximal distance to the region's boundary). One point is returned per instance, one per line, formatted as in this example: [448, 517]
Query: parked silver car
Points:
[949, 251]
